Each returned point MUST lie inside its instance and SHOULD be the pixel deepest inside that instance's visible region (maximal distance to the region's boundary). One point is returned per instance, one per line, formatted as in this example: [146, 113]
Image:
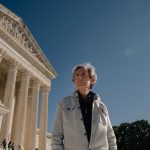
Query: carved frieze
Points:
[13, 28]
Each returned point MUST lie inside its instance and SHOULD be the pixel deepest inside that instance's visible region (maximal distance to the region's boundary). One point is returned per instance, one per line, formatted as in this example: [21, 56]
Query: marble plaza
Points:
[25, 73]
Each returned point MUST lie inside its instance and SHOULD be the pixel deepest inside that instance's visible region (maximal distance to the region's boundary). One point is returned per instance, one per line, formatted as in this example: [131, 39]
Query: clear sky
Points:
[114, 35]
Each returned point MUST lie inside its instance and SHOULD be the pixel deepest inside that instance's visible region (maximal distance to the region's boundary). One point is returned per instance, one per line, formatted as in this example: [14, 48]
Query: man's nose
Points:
[80, 76]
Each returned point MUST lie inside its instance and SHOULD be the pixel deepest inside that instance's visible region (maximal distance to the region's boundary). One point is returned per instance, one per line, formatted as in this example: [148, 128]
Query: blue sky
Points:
[113, 35]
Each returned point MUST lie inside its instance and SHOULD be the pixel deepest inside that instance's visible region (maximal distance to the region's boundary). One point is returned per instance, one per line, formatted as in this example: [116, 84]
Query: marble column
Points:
[13, 130]
[3, 111]
[33, 118]
[11, 117]
[28, 114]
[8, 99]
[1, 54]
[21, 110]
[43, 118]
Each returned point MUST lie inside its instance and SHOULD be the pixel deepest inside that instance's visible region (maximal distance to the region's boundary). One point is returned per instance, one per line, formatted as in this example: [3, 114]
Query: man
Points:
[82, 120]
[9, 145]
[4, 144]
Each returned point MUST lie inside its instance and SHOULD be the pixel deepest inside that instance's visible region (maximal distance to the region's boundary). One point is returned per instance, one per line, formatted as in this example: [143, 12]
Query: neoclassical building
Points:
[25, 77]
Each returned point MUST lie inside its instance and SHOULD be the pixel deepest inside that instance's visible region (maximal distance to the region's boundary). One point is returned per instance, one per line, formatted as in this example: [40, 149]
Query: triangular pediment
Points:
[15, 26]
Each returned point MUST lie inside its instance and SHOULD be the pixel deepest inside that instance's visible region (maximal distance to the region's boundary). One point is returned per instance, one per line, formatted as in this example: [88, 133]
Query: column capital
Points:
[13, 65]
[45, 89]
[35, 82]
[26, 75]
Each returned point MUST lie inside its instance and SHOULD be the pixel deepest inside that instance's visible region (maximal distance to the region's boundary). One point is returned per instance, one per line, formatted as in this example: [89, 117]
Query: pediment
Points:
[15, 26]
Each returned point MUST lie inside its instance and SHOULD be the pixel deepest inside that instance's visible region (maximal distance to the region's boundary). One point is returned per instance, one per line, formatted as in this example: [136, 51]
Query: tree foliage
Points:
[133, 136]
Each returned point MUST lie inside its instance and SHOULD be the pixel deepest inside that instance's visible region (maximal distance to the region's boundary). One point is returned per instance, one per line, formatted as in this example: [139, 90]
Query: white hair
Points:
[89, 68]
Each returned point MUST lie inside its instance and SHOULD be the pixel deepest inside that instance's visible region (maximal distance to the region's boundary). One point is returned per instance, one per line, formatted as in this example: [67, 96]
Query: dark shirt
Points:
[86, 110]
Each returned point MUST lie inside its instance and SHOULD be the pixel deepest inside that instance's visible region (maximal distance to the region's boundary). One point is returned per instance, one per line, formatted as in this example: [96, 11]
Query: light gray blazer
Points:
[69, 131]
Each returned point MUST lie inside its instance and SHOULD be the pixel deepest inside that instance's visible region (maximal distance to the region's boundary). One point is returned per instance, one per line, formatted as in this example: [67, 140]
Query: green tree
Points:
[133, 136]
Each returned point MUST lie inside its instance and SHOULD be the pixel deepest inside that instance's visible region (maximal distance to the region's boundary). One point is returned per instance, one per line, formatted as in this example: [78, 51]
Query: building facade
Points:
[25, 75]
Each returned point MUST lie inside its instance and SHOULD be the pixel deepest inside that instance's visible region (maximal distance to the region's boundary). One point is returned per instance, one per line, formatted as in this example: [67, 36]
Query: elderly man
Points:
[82, 121]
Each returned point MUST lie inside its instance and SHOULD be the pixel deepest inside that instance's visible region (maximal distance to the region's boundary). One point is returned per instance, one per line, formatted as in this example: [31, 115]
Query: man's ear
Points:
[92, 81]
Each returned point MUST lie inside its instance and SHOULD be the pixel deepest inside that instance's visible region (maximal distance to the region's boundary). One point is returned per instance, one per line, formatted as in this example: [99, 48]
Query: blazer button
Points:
[81, 119]
[85, 134]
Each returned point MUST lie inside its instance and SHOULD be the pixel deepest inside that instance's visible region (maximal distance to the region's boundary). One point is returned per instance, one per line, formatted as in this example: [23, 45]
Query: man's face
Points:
[82, 79]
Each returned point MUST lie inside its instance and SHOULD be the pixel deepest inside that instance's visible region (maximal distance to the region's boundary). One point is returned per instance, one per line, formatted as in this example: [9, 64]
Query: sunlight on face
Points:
[82, 79]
